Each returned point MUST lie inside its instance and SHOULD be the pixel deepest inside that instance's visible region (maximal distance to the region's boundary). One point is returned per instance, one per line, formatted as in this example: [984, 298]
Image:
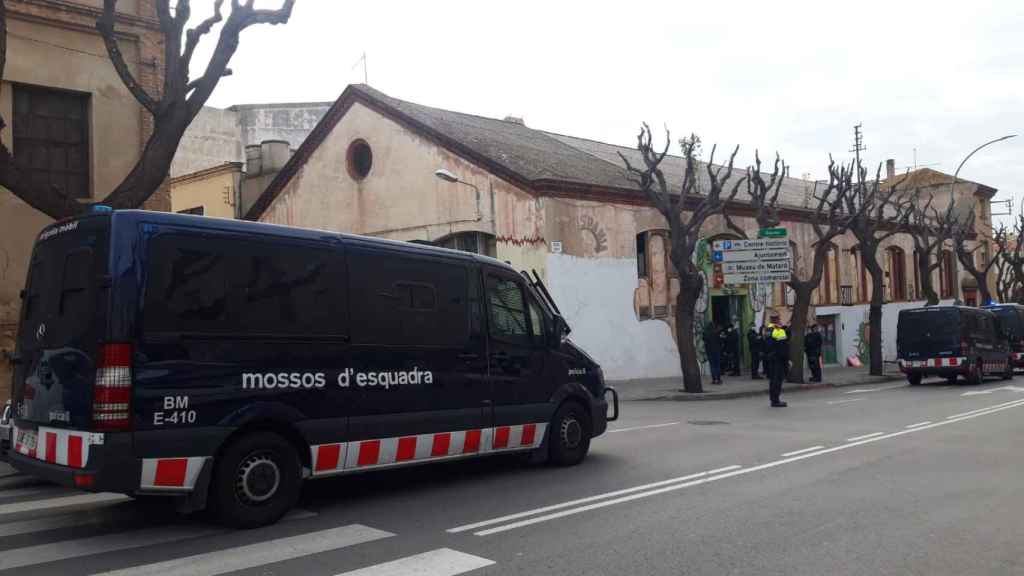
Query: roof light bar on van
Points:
[111, 400]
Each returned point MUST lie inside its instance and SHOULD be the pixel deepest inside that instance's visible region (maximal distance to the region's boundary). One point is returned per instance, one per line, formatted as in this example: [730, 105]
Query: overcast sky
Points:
[787, 76]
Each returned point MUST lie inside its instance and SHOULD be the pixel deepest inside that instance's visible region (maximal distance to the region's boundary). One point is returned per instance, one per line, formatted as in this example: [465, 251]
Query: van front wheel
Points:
[569, 438]
[977, 373]
[256, 481]
[914, 379]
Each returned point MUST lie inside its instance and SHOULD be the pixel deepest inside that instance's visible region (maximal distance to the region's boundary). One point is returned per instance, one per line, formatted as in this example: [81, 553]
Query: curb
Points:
[709, 396]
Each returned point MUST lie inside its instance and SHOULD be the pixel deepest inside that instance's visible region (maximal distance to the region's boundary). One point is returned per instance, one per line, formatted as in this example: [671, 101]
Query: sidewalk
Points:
[742, 386]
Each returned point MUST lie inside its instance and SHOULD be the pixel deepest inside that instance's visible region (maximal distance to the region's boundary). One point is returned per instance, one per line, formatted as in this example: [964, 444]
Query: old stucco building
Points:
[250, 141]
[62, 98]
[563, 206]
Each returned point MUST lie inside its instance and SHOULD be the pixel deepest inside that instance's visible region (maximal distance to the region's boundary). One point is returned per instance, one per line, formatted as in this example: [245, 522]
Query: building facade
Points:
[70, 118]
[258, 137]
[564, 207]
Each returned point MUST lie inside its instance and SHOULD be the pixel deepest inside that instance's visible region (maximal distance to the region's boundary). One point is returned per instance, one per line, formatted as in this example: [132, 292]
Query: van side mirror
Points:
[560, 330]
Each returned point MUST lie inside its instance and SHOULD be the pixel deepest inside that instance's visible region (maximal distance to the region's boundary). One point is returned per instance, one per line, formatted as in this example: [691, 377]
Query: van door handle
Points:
[468, 356]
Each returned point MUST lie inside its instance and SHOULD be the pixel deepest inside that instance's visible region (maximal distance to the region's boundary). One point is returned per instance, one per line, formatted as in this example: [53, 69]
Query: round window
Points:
[359, 159]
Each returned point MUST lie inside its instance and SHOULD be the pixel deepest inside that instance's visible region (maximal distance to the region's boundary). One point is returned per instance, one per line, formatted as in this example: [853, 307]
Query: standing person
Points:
[755, 342]
[713, 348]
[778, 348]
[732, 349]
[812, 347]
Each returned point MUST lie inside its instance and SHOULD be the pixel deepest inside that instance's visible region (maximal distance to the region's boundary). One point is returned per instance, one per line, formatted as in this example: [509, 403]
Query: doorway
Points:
[731, 310]
[828, 338]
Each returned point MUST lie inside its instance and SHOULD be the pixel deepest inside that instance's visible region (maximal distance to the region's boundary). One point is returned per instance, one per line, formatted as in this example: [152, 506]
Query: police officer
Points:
[732, 350]
[755, 343]
[778, 349]
[713, 348]
[812, 347]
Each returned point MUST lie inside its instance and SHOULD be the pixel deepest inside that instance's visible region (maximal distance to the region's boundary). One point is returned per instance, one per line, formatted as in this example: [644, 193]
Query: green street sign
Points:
[772, 233]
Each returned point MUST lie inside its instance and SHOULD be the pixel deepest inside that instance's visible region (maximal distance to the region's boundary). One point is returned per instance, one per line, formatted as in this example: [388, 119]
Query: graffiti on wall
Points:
[596, 232]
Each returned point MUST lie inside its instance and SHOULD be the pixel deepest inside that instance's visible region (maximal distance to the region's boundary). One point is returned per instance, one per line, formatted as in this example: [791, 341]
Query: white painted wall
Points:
[850, 318]
[596, 297]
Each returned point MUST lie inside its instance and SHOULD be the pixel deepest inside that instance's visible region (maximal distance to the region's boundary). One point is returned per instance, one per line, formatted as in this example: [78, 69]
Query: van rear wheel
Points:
[256, 481]
[977, 373]
[914, 379]
[1008, 373]
[569, 436]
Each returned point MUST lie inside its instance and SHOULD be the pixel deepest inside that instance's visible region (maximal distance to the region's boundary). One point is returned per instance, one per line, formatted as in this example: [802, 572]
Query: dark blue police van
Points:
[224, 362]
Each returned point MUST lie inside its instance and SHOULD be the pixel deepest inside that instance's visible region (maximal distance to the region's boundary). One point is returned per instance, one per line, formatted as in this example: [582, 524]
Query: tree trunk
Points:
[690, 286]
[924, 273]
[983, 290]
[797, 328]
[875, 319]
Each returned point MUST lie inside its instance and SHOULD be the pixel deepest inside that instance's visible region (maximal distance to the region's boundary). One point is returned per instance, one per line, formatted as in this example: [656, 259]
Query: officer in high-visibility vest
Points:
[777, 349]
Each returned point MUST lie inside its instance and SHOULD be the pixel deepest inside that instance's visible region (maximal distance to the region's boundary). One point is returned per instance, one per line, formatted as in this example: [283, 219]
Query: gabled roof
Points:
[532, 159]
[926, 177]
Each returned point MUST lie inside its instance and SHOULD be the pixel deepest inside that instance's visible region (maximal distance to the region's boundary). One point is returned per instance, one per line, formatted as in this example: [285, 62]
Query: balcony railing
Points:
[846, 295]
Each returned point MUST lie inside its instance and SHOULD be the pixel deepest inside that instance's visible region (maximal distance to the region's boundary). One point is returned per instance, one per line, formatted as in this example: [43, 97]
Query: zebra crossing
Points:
[49, 529]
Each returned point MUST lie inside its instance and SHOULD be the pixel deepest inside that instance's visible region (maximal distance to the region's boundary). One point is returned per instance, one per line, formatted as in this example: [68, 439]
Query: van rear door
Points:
[62, 321]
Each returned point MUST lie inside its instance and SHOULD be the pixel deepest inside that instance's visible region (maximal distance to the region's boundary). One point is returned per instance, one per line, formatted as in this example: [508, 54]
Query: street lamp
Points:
[449, 176]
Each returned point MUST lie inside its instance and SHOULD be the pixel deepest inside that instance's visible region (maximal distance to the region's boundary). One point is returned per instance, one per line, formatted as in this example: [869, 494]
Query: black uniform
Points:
[812, 346]
[732, 351]
[778, 350]
[713, 349]
[756, 344]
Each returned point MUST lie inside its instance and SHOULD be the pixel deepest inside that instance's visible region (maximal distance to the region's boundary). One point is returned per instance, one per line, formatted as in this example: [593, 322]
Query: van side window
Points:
[292, 290]
[507, 310]
[187, 285]
[398, 300]
[536, 322]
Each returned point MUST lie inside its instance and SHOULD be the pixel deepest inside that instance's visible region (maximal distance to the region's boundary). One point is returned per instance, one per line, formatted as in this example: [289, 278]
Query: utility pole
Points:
[858, 147]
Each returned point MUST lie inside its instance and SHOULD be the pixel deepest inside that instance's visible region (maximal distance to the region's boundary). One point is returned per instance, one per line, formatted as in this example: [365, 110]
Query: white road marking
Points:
[872, 435]
[526, 513]
[926, 422]
[879, 389]
[795, 452]
[980, 410]
[642, 427]
[834, 402]
[440, 562]
[260, 553]
[87, 499]
[53, 551]
[991, 390]
[708, 479]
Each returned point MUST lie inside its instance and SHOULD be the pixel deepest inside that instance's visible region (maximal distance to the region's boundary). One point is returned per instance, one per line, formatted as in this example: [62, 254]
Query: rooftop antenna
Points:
[1007, 204]
[366, 76]
[915, 166]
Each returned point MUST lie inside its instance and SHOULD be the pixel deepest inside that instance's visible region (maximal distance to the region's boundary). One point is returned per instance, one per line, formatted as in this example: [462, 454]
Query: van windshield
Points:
[1009, 319]
[923, 332]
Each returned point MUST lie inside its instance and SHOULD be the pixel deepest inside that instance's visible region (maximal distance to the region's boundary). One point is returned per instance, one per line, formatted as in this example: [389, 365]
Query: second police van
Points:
[226, 362]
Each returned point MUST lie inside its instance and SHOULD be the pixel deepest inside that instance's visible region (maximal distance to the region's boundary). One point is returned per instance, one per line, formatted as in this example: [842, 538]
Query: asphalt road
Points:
[882, 479]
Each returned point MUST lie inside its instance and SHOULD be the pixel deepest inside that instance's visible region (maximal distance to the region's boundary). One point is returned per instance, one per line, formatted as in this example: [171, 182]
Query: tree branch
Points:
[105, 25]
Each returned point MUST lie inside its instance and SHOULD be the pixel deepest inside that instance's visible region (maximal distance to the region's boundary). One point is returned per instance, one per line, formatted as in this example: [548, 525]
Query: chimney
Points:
[890, 168]
[253, 164]
[274, 154]
[515, 120]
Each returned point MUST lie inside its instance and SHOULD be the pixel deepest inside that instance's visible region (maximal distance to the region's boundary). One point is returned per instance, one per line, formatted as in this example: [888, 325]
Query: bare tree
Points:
[962, 231]
[1011, 249]
[173, 108]
[876, 214]
[929, 229]
[685, 211]
[830, 220]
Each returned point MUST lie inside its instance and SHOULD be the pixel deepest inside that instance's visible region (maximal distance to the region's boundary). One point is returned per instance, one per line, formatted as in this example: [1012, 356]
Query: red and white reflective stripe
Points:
[1018, 355]
[361, 454]
[933, 363]
[171, 474]
[56, 446]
